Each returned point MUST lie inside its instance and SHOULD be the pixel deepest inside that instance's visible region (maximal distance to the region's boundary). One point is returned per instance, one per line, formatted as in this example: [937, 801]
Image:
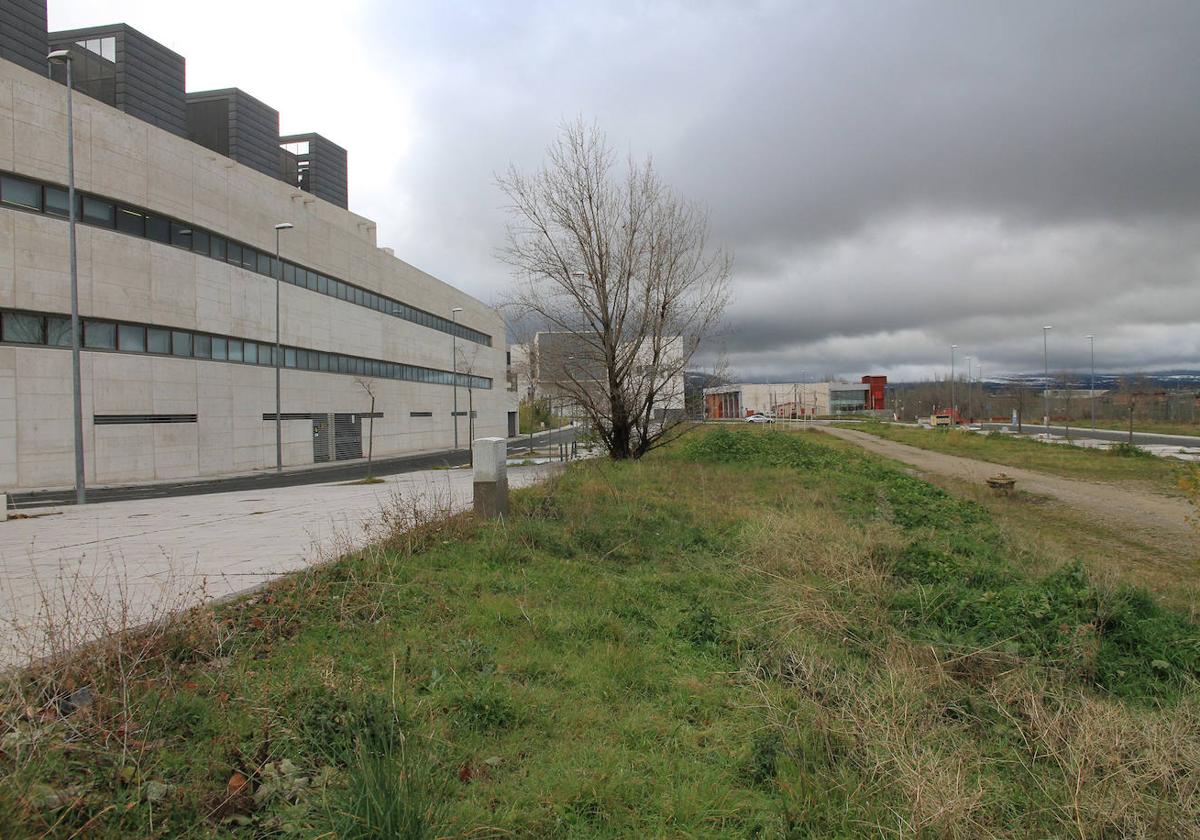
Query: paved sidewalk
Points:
[108, 565]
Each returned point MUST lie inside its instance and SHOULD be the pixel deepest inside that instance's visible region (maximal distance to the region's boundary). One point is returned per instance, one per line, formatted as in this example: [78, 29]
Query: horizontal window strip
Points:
[420, 414]
[140, 419]
[47, 329]
[21, 192]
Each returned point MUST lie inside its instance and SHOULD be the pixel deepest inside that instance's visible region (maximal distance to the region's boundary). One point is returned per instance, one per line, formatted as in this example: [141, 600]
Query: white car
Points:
[760, 418]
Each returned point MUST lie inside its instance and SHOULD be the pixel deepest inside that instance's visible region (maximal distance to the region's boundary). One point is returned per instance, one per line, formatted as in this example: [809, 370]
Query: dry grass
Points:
[914, 722]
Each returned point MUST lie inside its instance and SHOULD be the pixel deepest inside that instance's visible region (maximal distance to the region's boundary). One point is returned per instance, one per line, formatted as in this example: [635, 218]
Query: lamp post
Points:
[65, 57]
[1092, 387]
[1045, 379]
[454, 364]
[279, 228]
[953, 419]
[968, 358]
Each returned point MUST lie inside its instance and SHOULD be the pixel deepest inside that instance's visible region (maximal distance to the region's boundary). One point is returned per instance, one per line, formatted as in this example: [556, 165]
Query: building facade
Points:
[794, 400]
[177, 285]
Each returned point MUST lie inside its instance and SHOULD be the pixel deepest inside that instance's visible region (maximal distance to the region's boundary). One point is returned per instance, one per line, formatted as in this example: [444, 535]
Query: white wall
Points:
[127, 278]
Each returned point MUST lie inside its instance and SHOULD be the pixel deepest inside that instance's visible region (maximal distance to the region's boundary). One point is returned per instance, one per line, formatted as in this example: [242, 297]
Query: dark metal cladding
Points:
[234, 123]
[23, 33]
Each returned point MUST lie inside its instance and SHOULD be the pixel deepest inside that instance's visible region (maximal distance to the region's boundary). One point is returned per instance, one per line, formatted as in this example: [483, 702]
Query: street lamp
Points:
[279, 228]
[1045, 379]
[454, 363]
[65, 57]
[968, 358]
[1092, 388]
[953, 419]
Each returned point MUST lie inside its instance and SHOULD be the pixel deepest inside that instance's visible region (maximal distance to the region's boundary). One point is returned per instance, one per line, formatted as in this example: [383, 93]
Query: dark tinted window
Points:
[23, 329]
[219, 349]
[323, 285]
[20, 192]
[56, 202]
[99, 335]
[217, 247]
[289, 273]
[58, 331]
[181, 235]
[98, 212]
[233, 253]
[202, 347]
[289, 357]
[181, 343]
[200, 243]
[158, 341]
[249, 258]
[250, 353]
[158, 228]
[235, 350]
[131, 221]
[131, 338]
[264, 264]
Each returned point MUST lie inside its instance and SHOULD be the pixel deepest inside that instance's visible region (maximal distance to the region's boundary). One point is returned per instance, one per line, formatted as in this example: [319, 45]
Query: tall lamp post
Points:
[953, 419]
[454, 364]
[1092, 388]
[65, 57]
[968, 358]
[1045, 379]
[279, 228]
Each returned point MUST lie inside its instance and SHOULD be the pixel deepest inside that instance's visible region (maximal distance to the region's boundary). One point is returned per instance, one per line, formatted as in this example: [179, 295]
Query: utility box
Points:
[491, 476]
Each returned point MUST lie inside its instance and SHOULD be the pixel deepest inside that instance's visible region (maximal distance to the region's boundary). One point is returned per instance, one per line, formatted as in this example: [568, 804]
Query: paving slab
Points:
[70, 574]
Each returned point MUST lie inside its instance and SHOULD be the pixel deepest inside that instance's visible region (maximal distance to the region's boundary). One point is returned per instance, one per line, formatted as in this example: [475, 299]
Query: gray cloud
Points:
[892, 177]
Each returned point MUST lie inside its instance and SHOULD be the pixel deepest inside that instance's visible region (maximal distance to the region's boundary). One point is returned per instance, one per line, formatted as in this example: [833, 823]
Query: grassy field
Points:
[1155, 473]
[1161, 427]
[754, 634]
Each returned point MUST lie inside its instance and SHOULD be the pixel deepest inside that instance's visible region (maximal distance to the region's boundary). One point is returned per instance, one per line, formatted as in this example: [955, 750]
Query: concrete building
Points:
[794, 399]
[177, 285]
[556, 364]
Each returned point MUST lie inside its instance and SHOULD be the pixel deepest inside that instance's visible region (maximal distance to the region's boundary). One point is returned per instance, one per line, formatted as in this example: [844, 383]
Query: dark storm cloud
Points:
[892, 177]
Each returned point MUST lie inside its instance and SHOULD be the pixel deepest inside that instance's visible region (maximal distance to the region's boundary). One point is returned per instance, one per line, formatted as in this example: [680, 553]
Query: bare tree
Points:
[620, 266]
[369, 386]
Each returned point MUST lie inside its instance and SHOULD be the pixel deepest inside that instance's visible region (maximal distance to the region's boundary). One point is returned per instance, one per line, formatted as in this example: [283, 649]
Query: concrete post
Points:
[491, 476]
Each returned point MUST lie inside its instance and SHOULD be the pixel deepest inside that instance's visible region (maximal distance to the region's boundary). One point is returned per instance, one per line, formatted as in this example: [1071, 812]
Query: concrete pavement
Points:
[69, 575]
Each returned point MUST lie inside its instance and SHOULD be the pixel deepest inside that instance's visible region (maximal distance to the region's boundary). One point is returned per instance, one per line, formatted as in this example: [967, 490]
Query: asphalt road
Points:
[1142, 438]
[545, 443]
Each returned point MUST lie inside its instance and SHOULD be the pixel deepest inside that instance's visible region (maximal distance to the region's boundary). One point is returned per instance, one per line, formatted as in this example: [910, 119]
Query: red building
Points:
[877, 394]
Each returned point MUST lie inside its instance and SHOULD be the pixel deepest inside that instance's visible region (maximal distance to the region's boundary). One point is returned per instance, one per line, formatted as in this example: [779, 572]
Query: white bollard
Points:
[491, 476]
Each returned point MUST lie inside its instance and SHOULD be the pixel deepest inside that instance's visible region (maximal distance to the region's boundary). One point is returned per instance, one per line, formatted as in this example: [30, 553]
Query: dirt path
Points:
[1157, 517]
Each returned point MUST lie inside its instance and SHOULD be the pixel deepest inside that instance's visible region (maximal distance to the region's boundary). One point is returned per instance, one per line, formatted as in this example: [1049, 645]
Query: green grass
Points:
[1116, 465]
[755, 634]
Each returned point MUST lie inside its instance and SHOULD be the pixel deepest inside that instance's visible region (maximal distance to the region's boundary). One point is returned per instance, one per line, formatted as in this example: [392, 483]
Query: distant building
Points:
[794, 399]
[557, 365]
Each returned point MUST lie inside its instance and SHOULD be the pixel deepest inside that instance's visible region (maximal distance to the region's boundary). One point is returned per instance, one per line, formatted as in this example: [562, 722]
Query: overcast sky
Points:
[892, 177]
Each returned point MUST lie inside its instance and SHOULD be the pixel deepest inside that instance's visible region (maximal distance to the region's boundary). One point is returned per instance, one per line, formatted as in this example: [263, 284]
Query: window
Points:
[219, 349]
[264, 355]
[200, 243]
[301, 278]
[312, 280]
[420, 414]
[99, 335]
[158, 228]
[235, 350]
[264, 264]
[250, 353]
[181, 343]
[323, 284]
[289, 273]
[58, 331]
[57, 202]
[233, 253]
[249, 258]
[216, 248]
[158, 341]
[20, 192]
[22, 329]
[98, 212]
[131, 221]
[289, 357]
[322, 361]
[181, 235]
[131, 338]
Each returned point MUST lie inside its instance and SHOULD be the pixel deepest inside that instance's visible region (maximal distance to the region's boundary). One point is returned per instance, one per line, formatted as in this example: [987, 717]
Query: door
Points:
[320, 429]
[347, 436]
